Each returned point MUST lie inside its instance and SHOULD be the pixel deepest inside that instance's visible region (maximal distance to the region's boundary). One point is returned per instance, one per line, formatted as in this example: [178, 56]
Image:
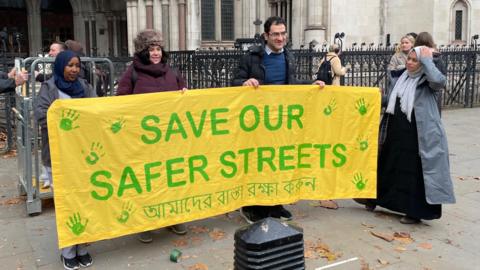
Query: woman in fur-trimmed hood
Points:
[149, 72]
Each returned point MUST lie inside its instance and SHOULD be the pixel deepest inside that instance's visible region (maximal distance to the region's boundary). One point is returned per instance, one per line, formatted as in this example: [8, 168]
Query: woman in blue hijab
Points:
[64, 84]
[65, 73]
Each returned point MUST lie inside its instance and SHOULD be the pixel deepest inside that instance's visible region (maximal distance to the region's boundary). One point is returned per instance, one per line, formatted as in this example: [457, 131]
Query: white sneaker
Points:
[43, 174]
[46, 184]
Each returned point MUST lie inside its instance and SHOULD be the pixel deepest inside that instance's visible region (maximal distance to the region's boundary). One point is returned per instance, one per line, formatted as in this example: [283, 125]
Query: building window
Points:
[283, 8]
[458, 24]
[208, 19]
[227, 20]
[217, 20]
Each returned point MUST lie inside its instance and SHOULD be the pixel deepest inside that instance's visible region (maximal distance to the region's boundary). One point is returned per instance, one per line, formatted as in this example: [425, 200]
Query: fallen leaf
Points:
[401, 234]
[425, 245]
[368, 225]
[12, 153]
[324, 251]
[319, 249]
[476, 178]
[217, 234]
[329, 204]
[198, 266]
[196, 240]
[364, 265]
[400, 249]
[198, 229]
[12, 201]
[383, 262]
[384, 236]
[403, 237]
[310, 254]
[460, 178]
[180, 242]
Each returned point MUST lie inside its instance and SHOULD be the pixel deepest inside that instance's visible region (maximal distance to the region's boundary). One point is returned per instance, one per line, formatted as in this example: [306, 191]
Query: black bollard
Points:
[269, 244]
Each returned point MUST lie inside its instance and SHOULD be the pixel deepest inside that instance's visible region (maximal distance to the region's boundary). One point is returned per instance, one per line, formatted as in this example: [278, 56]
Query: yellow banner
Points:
[133, 163]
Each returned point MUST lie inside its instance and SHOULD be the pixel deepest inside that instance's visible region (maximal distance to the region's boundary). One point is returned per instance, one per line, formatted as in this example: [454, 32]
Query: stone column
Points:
[181, 25]
[149, 11]
[93, 24]
[34, 27]
[193, 25]
[110, 31]
[157, 15]
[78, 31]
[315, 29]
[173, 33]
[122, 37]
[218, 20]
[134, 26]
[141, 15]
[129, 27]
[87, 35]
[298, 23]
[166, 23]
[115, 35]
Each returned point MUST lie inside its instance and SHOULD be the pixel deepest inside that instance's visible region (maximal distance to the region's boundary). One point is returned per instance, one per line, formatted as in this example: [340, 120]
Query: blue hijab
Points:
[72, 88]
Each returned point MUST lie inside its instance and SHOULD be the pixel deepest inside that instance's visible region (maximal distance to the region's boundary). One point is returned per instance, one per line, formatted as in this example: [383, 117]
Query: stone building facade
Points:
[108, 27]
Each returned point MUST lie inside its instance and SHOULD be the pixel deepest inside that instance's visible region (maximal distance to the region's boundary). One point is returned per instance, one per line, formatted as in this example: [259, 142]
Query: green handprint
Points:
[117, 125]
[68, 117]
[361, 106]
[363, 143]
[330, 107]
[76, 225]
[127, 212]
[96, 152]
[360, 184]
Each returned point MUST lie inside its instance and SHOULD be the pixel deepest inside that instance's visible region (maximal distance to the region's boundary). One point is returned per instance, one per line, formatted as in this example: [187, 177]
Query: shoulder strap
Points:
[330, 58]
[133, 77]
[177, 75]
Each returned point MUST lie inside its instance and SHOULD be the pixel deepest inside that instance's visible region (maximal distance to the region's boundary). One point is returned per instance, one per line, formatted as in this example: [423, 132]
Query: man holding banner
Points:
[271, 64]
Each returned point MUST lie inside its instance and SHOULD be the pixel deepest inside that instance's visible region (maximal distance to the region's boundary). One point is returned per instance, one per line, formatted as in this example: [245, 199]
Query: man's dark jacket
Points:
[6, 84]
[251, 66]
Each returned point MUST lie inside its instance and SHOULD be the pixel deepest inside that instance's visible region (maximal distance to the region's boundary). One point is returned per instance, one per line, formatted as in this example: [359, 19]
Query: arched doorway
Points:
[57, 21]
[14, 30]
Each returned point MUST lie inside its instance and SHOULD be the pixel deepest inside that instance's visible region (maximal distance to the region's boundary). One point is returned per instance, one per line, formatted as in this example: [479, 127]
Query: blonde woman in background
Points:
[399, 59]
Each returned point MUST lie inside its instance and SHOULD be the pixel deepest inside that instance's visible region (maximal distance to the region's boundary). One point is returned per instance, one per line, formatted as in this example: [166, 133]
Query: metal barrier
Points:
[6, 122]
[28, 137]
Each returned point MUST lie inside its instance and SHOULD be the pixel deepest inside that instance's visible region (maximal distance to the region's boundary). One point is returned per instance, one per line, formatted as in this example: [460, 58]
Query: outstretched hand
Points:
[321, 84]
[251, 82]
[426, 52]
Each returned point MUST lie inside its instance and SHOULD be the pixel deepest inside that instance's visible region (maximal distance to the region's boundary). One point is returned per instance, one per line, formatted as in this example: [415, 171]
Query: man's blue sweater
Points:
[275, 68]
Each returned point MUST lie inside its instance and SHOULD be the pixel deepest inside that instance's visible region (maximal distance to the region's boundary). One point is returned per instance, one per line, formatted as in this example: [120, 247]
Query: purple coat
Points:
[150, 79]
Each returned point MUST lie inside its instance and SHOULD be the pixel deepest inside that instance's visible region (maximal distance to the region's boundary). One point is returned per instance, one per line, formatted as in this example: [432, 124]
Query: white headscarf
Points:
[405, 89]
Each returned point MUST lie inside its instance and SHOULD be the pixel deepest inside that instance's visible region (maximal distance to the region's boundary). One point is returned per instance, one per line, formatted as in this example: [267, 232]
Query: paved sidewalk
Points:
[453, 242]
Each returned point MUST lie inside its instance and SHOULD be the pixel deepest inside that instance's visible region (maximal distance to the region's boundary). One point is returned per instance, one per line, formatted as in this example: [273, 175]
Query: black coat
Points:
[6, 84]
[251, 66]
